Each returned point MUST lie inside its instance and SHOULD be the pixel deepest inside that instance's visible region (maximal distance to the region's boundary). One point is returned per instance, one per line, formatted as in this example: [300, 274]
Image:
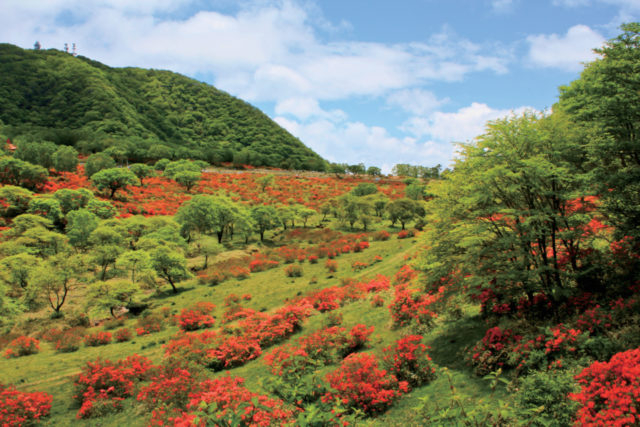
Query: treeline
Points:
[141, 115]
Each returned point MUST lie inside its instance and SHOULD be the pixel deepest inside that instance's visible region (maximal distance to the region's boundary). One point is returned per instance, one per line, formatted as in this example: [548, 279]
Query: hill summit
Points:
[53, 95]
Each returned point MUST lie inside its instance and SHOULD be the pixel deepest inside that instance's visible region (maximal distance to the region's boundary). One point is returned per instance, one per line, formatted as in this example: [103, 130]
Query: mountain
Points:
[53, 95]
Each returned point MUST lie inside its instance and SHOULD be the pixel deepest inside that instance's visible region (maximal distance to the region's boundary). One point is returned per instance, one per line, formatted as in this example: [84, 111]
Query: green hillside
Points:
[52, 95]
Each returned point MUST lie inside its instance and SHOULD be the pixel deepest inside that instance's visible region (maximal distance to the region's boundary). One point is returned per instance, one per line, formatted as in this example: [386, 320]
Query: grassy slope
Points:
[52, 372]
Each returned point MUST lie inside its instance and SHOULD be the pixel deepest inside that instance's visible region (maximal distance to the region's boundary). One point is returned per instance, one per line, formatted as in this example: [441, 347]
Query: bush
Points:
[22, 409]
[359, 384]
[408, 360]
[22, 346]
[196, 317]
[381, 235]
[149, 324]
[69, 341]
[494, 350]
[122, 335]
[610, 391]
[97, 339]
[404, 234]
[548, 390]
[331, 265]
[293, 270]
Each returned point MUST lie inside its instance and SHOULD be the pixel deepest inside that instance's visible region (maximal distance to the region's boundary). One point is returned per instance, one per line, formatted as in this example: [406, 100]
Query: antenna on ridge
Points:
[73, 50]
[66, 47]
[37, 45]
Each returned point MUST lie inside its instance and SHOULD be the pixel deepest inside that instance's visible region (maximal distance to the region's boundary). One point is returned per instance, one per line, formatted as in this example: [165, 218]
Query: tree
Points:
[606, 101]
[206, 214]
[73, 199]
[65, 159]
[112, 295]
[134, 261]
[43, 243]
[416, 191]
[509, 217]
[265, 181]
[25, 222]
[17, 270]
[37, 153]
[403, 210]
[358, 169]
[374, 171]
[80, 224]
[113, 179]
[107, 246]
[56, 278]
[169, 264]
[187, 178]
[265, 218]
[208, 247]
[14, 201]
[48, 207]
[97, 162]
[364, 189]
[305, 213]
[16, 172]
[142, 171]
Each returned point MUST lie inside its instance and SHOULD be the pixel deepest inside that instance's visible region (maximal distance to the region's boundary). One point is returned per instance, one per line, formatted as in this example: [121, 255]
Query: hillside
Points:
[56, 96]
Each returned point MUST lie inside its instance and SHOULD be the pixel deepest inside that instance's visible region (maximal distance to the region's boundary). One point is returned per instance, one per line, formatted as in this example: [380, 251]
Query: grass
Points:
[53, 372]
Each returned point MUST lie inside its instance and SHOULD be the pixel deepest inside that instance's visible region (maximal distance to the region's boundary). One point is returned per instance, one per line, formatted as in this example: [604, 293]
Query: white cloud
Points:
[416, 101]
[354, 142]
[501, 5]
[267, 51]
[566, 52]
[306, 108]
[460, 126]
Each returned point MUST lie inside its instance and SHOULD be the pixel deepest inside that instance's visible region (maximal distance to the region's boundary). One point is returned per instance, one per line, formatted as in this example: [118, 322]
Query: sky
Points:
[374, 81]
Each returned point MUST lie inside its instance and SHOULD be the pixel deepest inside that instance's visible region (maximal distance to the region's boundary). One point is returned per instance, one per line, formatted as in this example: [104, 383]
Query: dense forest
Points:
[50, 95]
[504, 291]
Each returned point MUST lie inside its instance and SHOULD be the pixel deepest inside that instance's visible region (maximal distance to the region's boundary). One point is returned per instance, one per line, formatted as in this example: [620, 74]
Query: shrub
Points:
[196, 317]
[122, 335]
[359, 384]
[548, 390]
[22, 346]
[313, 259]
[293, 270]
[331, 265]
[377, 301]
[412, 306]
[381, 235]
[493, 351]
[610, 391]
[149, 324]
[22, 409]
[69, 341]
[404, 234]
[408, 360]
[98, 338]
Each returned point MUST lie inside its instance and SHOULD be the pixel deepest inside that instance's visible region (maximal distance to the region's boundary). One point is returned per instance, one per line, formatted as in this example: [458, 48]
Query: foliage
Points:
[22, 409]
[22, 346]
[408, 360]
[113, 179]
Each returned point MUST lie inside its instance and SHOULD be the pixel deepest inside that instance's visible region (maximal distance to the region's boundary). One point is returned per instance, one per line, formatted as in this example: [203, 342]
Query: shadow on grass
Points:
[449, 348]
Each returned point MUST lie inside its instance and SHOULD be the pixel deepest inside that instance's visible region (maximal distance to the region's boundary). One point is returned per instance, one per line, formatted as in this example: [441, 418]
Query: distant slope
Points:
[50, 89]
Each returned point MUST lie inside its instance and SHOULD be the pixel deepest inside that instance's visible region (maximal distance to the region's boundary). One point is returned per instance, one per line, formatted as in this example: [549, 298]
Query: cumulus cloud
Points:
[306, 108]
[264, 51]
[459, 126]
[416, 101]
[567, 52]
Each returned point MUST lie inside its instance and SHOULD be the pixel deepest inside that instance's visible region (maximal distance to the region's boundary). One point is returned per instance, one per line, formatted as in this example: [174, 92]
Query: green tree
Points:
[402, 210]
[48, 207]
[170, 265]
[65, 159]
[80, 224]
[606, 101]
[265, 218]
[208, 247]
[25, 222]
[17, 270]
[142, 171]
[206, 214]
[97, 162]
[113, 179]
[416, 191]
[55, 278]
[374, 171]
[508, 216]
[112, 295]
[16, 172]
[73, 199]
[134, 261]
[14, 201]
[42, 242]
[265, 181]
[187, 178]
[106, 247]
[364, 189]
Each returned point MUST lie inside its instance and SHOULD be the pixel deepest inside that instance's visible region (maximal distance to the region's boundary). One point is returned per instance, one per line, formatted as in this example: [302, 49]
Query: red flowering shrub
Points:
[313, 259]
[408, 360]
[610, 393]
[196, 317]
[102, 385]
[226, 401]
[231, 351]
[236, 312]
[149, 324]
[377, 301]
[405, 275]
[326, 299]
[268, 329]
[380, 283]
[381, 235]
[122, 335]
[211, 277]
[412, 306]
[331, 265]
[261, 263]
[293, 270]
[404, 234]
[69, 340]
[22, 409]
[358, 265]
[493, 351]
[359, 384]
[22, 346]
[98, 338]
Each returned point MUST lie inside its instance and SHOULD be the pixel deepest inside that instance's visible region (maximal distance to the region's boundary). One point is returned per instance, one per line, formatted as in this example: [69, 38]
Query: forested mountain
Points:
[150, 114]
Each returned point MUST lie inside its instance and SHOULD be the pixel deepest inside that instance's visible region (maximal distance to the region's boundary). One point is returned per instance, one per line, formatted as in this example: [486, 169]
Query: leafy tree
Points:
[73, 199]
[107, 246]
[97, 162]
[208, 247]
[265, 181]
[42, 242]
[169, 264]
[358, 169]
[364, 189]
[134, 261]
[265, 218]
[112, 295]
[17, 270]
[187, 178]
[56, 278]
[80, 224]
[65, 159]
[37, 153]
[47, 207]
[304, 214]
[403, 210]
[25, 222]
[14, 201]
[142, 171]
[374, 171]
[416, 191]
[16, 172]
[113, 179]
[508, 216]
[206, 214]
[606, 101]
[101, 208]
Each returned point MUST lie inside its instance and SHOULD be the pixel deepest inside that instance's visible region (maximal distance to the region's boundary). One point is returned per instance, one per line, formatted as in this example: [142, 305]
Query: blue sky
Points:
[379, 82]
